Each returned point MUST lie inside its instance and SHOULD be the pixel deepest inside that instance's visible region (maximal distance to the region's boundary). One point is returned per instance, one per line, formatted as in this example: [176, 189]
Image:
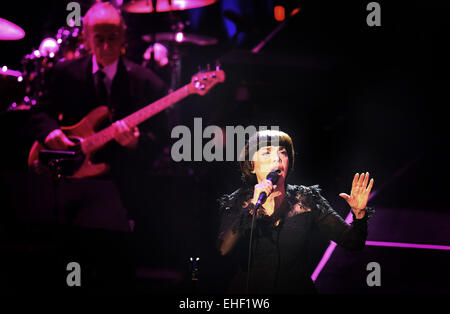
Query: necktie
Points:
[102, 93]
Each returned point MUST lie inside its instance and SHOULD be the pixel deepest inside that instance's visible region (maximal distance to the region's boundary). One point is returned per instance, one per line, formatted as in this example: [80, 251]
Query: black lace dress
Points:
[280, 252]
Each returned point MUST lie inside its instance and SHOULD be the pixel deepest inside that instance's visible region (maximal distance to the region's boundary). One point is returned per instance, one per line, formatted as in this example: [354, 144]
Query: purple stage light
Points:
[179, 37]
[409, 245]
[326, 256]
[323, 261]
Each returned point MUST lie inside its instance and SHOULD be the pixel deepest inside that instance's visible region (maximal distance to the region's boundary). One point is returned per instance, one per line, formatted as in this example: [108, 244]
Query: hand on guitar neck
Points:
[125, 136]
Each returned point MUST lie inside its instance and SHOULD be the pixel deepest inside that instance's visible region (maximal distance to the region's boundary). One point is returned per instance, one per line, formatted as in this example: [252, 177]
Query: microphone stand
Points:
[194, 270]
[260, 201]
[273, 177]
[250, 246]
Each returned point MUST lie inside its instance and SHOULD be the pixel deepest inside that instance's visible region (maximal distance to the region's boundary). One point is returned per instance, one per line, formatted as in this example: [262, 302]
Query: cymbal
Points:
[10, 31]
[180, 38]
[146, 6]
[8, 72]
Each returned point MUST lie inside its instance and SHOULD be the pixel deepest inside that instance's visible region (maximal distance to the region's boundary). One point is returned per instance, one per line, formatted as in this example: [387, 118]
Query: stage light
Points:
[179, 37]
[279, 13]
[181, 4]
[159, 52]
[48, 46]
[295, 11]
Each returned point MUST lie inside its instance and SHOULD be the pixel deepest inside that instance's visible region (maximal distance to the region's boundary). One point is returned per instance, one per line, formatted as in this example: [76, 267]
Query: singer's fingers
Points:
[360, 180]
[266, 183]
[370, 186]
[366, 180]
[266, 187]
[355, 180]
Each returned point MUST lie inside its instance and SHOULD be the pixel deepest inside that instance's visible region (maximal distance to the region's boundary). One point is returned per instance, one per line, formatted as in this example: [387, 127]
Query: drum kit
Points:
[23, 88]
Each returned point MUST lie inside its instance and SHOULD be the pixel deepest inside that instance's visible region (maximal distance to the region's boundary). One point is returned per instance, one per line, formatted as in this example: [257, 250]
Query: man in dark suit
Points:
[105, 78]
[77, 87]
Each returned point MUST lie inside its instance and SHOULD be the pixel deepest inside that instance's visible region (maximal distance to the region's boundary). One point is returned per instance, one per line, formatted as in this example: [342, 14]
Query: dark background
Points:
[353, 98]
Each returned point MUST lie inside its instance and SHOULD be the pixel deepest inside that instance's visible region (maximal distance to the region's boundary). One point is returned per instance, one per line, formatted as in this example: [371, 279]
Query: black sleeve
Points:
[331, 224]
[233, 217]
[236, 220]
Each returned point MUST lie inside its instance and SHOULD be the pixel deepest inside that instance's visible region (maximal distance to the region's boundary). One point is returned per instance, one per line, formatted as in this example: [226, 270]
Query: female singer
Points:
[282, 225]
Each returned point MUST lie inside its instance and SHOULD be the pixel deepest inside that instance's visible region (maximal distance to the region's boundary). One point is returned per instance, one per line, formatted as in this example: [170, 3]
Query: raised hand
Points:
[359, 195]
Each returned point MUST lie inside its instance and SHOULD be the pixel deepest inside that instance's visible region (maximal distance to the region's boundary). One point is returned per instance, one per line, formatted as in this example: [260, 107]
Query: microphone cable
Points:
[250, 248]
[273, 176]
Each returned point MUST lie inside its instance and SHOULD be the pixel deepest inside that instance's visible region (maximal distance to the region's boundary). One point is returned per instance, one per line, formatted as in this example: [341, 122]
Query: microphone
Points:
[273, 177]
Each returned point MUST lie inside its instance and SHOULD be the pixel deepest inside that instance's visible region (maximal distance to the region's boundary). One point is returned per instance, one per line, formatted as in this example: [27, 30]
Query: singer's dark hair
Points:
[262, 139]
